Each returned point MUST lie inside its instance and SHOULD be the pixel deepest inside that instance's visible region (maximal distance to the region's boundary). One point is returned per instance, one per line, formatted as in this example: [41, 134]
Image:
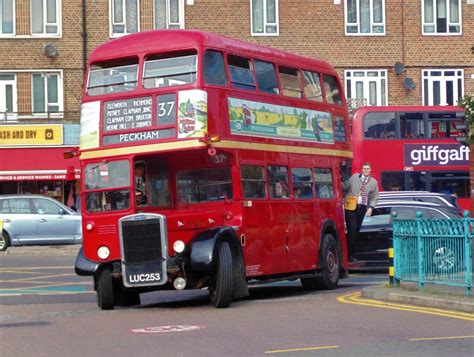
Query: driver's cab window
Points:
[151, 183]
[140, 183]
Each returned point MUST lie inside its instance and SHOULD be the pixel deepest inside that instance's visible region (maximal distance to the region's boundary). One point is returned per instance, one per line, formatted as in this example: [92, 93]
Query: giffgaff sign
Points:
[436, 155]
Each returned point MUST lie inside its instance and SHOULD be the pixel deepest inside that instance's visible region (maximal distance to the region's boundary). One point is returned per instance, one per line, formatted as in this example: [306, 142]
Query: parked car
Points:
[376, 231]
[442, 199]
[35, 219]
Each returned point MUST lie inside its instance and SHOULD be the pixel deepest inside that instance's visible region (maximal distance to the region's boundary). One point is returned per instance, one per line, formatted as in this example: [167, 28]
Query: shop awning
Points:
[18, 164]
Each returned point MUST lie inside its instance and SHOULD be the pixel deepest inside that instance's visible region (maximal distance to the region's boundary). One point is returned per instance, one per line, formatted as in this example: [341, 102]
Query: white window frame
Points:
[14, 22]
[366, 79]
[14, 82]
[372, 23]
[459, 74]
[60, 103]
[113, 34]
[265, 23]
[168, 15]
[45, 23]
[435, 13]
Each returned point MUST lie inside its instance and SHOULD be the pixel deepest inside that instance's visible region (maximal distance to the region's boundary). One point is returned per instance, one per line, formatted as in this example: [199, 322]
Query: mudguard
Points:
[84, 266]
[203, 249]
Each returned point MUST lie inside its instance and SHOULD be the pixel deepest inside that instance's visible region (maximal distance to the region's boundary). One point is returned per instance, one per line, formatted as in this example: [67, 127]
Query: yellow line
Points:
[302, 349]
[440, 338]
[354, 298]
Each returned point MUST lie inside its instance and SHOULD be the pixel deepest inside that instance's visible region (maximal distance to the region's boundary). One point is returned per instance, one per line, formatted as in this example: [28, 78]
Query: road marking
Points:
[302, 349]
[440, 338]
[33, 288]
[356, 299]
[168, 329]
[35, 268]
[11, 271]
[37, 277]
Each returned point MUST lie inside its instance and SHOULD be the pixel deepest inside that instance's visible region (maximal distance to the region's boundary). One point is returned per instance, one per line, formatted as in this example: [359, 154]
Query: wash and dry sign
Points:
[41, 134]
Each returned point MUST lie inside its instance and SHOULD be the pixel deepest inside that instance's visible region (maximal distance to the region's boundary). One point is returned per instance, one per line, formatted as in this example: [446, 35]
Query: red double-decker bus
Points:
[413, 148]
[209, 162]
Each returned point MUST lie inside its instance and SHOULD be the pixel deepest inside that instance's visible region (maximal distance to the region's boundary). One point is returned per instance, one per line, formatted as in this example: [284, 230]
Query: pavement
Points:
[434, 296]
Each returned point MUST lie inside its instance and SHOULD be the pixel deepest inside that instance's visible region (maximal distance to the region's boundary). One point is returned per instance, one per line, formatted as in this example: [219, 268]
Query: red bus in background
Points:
[238, 149]
[413, 148]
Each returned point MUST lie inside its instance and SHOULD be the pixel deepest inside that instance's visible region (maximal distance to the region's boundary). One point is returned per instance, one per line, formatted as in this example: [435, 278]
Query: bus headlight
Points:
[103, 252]
[89, 226]
[179, 246]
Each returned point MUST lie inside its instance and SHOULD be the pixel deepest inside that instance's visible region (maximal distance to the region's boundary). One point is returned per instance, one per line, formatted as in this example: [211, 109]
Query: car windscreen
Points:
[108, 78]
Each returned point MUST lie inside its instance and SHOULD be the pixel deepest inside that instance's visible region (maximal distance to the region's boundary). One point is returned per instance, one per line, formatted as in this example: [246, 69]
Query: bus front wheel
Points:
[105, 289]
[220, 286]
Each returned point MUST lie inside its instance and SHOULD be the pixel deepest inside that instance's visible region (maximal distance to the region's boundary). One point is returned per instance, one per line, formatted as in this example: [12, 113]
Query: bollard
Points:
[391, 271]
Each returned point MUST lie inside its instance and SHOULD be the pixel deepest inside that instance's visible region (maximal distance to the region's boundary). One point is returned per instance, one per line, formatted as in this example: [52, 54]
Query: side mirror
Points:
[62, 212]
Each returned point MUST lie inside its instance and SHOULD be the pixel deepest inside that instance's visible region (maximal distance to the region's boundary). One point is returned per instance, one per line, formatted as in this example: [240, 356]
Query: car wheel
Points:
[220, 286]
[105, 289]
[4, 241]
[330, 266]
[443, 256]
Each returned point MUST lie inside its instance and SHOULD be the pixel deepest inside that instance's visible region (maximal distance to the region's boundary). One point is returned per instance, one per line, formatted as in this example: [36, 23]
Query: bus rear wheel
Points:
[105, 289]
[330, 266]
[220, 286]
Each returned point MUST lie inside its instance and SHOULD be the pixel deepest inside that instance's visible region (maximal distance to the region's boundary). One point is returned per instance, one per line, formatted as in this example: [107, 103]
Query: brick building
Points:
[44, 46]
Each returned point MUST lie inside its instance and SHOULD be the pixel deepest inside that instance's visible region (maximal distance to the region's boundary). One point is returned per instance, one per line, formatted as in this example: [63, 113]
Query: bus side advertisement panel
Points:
[278, 121]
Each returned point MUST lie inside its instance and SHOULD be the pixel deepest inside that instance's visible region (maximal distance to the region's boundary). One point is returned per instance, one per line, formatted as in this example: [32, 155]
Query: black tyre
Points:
[4, 241]
[220, 285]
[330, 266]
[105, 289]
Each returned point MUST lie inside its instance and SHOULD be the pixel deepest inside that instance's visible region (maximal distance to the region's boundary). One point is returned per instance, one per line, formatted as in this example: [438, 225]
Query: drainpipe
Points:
[84, 39]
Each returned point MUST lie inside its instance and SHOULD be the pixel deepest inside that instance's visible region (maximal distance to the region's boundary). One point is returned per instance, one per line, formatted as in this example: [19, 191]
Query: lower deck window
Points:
[448, 182]
[106, 201]
[253, 181]
[205, 185]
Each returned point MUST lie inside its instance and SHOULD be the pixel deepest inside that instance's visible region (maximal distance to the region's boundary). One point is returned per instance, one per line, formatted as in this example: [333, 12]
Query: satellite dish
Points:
[399, 68]
[50, 51]
[409, 84]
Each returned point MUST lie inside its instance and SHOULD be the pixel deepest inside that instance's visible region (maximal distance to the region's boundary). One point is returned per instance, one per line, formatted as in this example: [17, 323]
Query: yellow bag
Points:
[351, 203]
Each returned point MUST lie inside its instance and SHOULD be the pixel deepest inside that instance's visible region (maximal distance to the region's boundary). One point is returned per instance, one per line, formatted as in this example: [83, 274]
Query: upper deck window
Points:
[241, 73]
[266, 77]
[114, 77]
[167, 71]
[290, 82]
[333, 94]
[312, 86]
[214, 68]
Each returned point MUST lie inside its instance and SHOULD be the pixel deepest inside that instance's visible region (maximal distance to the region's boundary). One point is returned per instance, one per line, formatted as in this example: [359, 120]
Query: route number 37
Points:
[165, 109]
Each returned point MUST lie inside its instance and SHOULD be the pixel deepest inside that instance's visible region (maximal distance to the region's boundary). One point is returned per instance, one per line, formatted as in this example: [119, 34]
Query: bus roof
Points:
[147, 42]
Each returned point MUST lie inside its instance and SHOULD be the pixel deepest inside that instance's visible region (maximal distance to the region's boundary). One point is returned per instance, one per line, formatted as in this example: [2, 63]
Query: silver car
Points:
[35, 219]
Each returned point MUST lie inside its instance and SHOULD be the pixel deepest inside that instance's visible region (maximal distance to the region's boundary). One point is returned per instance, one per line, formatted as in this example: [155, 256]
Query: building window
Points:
[367, 86]
[45, 17]
[442, 86]
[7, 17]
[441, 17]
[47, 92]
[168, 14]
[8, 97]
[124, 17]
[365, 17]
[264, 16]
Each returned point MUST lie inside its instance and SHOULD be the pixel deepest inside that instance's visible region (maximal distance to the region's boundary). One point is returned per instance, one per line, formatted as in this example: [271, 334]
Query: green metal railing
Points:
[433, 251]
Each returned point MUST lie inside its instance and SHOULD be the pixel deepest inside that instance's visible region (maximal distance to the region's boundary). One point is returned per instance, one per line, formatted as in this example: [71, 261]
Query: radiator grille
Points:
[142, 241]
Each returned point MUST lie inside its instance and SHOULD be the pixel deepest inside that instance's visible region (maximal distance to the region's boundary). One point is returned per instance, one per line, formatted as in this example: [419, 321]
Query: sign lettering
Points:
[436, 155]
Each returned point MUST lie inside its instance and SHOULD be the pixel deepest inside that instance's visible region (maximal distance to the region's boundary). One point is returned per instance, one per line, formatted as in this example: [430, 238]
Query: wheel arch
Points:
[329, 227]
